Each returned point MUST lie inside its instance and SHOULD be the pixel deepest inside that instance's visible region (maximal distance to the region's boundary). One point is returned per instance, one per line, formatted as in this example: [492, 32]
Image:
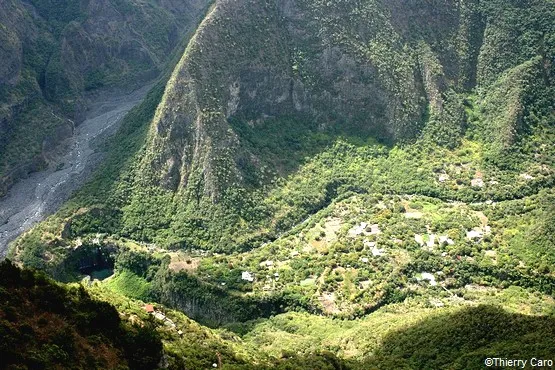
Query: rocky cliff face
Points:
[374, 67]
[116, 41]
[396, 71]
[10, 53]
[54, 52]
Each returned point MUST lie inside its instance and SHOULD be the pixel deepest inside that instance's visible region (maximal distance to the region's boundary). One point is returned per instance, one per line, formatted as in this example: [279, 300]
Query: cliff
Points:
[261, 78]
[57, 54]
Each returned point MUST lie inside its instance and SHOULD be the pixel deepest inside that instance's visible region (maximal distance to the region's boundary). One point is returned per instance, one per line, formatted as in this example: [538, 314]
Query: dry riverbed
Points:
[32, 199]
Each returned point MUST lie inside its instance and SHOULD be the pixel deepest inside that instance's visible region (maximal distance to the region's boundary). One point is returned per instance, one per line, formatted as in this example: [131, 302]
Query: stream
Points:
[41, 194]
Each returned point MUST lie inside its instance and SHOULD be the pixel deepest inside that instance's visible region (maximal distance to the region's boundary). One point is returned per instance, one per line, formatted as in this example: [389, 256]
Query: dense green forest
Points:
[344, 185]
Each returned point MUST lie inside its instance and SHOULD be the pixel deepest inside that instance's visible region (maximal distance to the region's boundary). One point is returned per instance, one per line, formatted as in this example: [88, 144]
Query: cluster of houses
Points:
[429, 240]
[478, 233]
[478, 181]
[362, 229]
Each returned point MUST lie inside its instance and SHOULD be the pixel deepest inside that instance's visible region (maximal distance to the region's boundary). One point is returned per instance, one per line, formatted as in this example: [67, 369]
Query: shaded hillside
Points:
[49, 326]
[59, 52]
[384, 69]
[464, 339]
[341, 69]
[264, 86]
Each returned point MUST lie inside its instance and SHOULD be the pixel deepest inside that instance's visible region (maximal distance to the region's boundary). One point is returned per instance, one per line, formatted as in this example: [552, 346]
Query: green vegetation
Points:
[55, 325]
[130, 285]
[60, 59]
[481, 166]
[373, 189]
[454, 342]
[49, 326]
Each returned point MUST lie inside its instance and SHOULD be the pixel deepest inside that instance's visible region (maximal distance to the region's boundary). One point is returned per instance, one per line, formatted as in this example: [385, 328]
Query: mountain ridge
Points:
[57, 58]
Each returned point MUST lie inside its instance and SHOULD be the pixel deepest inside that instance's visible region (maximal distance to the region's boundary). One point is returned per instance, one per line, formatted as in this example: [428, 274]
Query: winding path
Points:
[34, 198]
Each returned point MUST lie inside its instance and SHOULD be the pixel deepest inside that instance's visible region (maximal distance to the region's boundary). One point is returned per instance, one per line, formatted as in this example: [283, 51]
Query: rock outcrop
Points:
[54, 56]
[11, 55]
[372, 68]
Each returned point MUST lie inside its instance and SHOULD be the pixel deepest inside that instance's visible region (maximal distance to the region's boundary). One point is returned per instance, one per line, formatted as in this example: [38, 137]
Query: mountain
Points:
[287, 80]
[58, 53]
[365, 184]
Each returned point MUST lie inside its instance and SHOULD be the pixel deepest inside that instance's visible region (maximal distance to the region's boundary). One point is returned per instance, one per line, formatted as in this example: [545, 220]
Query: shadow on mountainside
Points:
[464, 339]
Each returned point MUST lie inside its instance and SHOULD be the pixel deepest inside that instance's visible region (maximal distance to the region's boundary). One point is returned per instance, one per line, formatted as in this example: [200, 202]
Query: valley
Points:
[342, 185]
[41, 194]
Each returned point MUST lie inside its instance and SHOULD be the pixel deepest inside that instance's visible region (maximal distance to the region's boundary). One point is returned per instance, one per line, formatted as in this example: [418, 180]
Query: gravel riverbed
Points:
[41, 194]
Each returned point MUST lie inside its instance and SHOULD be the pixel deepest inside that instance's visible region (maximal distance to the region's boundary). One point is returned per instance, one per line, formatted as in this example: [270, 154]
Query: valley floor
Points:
[41, 194]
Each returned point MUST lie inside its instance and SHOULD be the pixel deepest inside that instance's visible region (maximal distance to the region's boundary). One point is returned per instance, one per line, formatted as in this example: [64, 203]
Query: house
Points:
[419, 239]
[149, 308]
[445, 239]
[247, 276]
[443, 177]
[474, 234]
[429, 277]
[376, 252]
[477, 183]
[526, 176]
[431, 240]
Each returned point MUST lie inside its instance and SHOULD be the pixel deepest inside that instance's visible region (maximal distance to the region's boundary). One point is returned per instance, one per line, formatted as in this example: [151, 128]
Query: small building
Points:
[444, 239]
[149, 308]
[477, 183]
[247, 276]
[443, 177]
[376, 252]
[431, 240]
[526, 176]
[429, 277]
[375, 229]
[419, 239]
[474, 234]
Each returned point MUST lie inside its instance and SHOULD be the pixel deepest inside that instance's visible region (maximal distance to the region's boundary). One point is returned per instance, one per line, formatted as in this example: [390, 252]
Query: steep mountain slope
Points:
[363, 161]
[297, 60]
[285, 80]
[55, 51]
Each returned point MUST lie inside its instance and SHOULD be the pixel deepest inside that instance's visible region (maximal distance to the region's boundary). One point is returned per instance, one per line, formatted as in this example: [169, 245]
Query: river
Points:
[41, 194]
